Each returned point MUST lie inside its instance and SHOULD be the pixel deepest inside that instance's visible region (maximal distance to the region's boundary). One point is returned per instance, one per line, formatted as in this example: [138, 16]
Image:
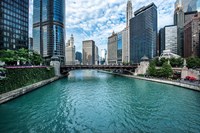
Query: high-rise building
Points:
[79, 56]
[171, 38]
[103, 56]
[48, 28]
[192, 36]
[112, 49]
[14, 18]
[179, 21]
[70, 52]
[125, 46]
[189, 15]
[161, 40]
[96, 55]
[129, 12]
[143, 32]
[30, 43]
[126, 31]
[119, 48]
[88, 52]
[188, 5]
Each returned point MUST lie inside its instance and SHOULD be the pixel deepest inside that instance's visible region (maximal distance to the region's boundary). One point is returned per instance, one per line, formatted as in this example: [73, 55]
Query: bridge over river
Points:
[66, 68]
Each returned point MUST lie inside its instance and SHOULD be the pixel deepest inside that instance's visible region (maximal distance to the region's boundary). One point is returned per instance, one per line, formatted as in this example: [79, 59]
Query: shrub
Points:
[20, 77]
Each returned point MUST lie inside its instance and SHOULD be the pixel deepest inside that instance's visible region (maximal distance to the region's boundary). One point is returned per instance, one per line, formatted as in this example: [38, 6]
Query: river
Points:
[90, 101]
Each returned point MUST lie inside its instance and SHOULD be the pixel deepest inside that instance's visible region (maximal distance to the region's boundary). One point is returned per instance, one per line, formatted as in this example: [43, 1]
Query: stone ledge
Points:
[5, 97]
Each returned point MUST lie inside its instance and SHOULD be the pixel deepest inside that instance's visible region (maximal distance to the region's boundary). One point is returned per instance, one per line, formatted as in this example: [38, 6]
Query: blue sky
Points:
[96, 19]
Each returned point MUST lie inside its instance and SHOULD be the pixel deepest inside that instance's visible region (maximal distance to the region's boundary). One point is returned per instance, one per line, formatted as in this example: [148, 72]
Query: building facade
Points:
[125, 46]
[70, 52]
[112, 49]
[119, 48]
[103, 57]
[129, 12]
[88, 52]
[191, 37]
[189, 15]
[161, 40]
[179, 21]
[79, 57]
[96, 55]
[48, 28]
[126, 39]
[14, 19]
[171, 38]
[143, 32]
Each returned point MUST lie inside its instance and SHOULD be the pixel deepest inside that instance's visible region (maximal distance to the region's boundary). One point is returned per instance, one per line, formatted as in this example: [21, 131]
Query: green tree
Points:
[193, 62]
[152, 69]
[176, 62]
[166, 70]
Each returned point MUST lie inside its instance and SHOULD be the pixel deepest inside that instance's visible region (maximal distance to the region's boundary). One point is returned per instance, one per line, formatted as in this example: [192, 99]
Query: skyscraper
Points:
[129, 12]
[70, 52]
[14, 24]
[48, 28]
[192, 37]
[170, 38]
[119, 48]
[189, 5]
[126, 31]
[88, 52]
[112, 49]
[143, 32]
[103, 56]
[125, 46]
[79, 57]
[179, 21]
[96, 55]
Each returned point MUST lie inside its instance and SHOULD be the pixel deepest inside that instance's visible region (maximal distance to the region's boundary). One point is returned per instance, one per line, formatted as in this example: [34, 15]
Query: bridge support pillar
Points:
[56, 64]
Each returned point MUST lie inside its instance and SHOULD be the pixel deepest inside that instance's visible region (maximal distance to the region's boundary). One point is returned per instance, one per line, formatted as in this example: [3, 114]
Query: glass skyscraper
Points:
[48, 28]
[143, 33]
[14, 24]
[119, 47]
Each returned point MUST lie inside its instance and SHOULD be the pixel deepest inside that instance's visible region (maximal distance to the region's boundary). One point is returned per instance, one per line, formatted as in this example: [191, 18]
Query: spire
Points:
[129, 12]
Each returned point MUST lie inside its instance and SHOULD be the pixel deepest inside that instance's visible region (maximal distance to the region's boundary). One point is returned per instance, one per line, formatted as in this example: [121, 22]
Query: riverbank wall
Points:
[5, 97]
[175, 83]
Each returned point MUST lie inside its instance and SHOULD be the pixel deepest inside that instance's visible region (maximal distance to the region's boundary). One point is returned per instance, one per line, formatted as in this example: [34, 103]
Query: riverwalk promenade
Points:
[180, 83]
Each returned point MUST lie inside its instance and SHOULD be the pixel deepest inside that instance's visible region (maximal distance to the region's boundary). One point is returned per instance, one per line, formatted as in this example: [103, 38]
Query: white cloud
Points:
[97, 19]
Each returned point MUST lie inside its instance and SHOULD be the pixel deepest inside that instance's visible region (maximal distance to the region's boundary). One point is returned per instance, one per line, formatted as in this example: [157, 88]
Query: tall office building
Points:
[88, 52]
[179, 21]
[126, 39]
[188, 5]
[119, 48]
[192, 36]
[79, 57]
[189, 15]
[112, 49]
[14, 19]
[48, 28]
[161, 40]
[129, 12]
[70, 52]
[96, 55]
[169, 38]
[103, 56]
[143, 32]
[125, 46]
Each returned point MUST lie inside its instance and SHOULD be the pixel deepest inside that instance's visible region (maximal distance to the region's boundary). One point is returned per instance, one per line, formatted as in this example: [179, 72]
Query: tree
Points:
[151, 69]
[166, 70]
[176, 62]
[193, 62]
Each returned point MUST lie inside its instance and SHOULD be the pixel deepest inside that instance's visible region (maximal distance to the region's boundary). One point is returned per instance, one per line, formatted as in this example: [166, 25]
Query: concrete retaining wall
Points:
[21, 91]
